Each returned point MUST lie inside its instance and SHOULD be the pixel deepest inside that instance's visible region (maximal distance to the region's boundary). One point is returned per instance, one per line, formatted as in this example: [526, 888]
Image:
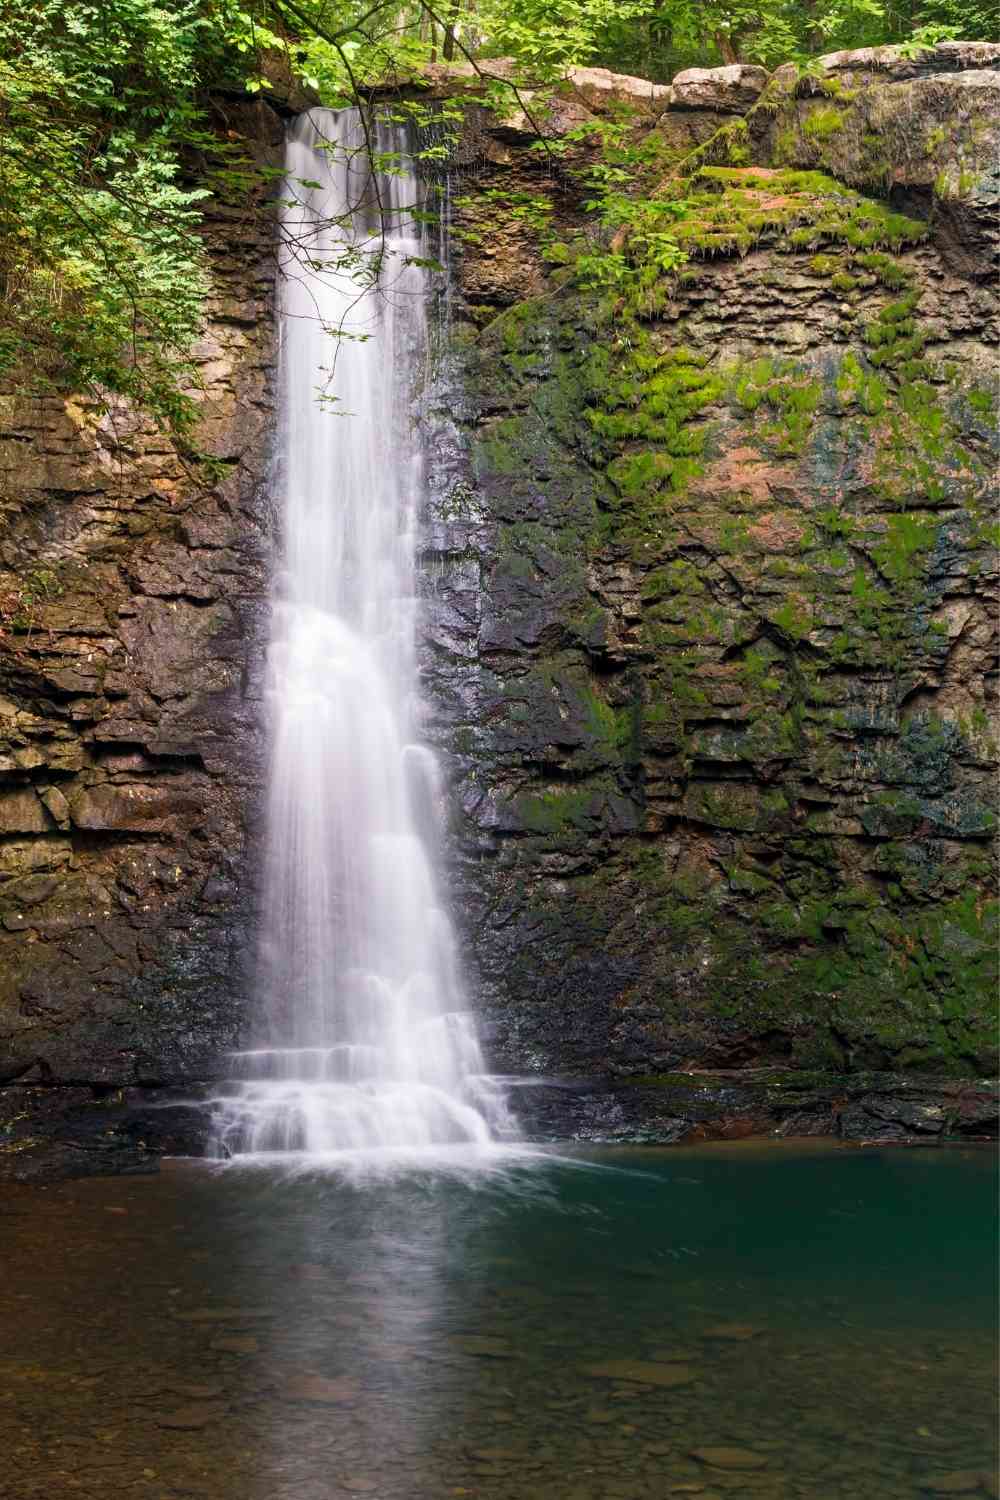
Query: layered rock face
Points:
[710, 632]
[713, 608]
[132, 595]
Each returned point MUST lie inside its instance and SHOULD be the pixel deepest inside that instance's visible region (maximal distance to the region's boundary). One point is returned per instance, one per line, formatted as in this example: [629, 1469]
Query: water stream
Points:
[366, 1045]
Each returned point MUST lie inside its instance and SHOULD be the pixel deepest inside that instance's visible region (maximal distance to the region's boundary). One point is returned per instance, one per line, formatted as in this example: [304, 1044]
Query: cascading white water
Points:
[366, 1043]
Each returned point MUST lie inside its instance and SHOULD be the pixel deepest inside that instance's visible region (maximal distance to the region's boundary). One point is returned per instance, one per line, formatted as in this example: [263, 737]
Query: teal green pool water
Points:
[756, 1320]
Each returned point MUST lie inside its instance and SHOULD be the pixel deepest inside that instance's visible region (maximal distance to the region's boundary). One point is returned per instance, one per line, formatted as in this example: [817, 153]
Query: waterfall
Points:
[365, 1042]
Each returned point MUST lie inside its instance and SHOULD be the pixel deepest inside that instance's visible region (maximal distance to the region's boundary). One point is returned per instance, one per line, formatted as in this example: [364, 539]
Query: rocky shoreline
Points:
[51, 1133]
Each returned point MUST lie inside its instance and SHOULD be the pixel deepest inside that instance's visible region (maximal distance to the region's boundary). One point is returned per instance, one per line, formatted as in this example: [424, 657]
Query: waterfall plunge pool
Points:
[755, 1320]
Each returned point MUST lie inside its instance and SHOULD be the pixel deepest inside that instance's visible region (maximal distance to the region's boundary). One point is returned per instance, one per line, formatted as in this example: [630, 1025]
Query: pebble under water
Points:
[760, 1321]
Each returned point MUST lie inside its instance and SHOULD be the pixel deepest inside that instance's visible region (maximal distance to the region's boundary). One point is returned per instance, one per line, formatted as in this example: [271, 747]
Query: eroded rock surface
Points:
[713, 618]
[131, 604]
[710, 645]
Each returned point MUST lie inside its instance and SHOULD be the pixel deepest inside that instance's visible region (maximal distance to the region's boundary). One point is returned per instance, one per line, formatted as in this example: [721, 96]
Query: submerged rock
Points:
[958, 1482]
[483, 1347]
[236, 1344]
[730, 1458]
[734, 1332]
[229, 1315]
[339, 1391]
[190, 1418]
[642, 1371]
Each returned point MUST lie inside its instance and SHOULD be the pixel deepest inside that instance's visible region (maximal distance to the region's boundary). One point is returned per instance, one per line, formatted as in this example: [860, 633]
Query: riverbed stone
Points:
[228, 1315]
[197, 1390]
[482, 1346]
[642, 1371]
[339, 1391]
[236, 1344]
[955, 1482]
[737, 1333]
[190, 1418]
[730, 1458]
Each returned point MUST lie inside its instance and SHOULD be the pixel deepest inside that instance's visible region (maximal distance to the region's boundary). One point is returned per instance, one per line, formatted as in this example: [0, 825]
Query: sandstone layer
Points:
[133, 591]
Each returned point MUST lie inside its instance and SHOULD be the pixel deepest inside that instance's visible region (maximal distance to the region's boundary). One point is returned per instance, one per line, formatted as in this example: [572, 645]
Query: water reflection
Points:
[740, 1322]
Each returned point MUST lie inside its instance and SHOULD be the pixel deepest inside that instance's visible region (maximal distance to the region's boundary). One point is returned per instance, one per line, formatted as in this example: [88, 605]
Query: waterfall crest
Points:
[365, 1044]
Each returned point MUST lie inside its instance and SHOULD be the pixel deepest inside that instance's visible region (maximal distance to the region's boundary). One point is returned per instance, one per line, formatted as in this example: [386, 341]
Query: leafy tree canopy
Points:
[106, 156]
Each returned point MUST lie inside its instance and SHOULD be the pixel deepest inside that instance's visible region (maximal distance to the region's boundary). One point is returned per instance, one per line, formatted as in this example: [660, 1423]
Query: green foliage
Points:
[104, 272]
[836, 523]
[729, 208]
[546, 37]
[634, 250]
[18, 605]
[488, 207]
[561, 811]
[885, 268]
[907, 538]
[665, 37]
[983, 403]
[822, 122]
[894, 336]
[653, 398]
[793, 619]
[613, 727]
[783, 389]
[927, 36]
[923, 452]
[855, 384]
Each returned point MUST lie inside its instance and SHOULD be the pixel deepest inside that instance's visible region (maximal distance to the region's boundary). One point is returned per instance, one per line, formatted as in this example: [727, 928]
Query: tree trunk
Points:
[727, 47]
[448, 51]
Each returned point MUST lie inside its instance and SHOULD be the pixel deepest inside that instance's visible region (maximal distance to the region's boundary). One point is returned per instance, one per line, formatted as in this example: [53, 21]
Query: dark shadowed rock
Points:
[130, 662]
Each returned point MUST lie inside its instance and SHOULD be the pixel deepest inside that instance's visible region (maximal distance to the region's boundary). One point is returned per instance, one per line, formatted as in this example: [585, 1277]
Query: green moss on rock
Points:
[755, 841]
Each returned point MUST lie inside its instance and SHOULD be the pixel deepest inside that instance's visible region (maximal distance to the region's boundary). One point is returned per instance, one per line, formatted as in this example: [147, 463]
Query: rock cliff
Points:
[132, 597]
[714, 605]
[709, 635]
